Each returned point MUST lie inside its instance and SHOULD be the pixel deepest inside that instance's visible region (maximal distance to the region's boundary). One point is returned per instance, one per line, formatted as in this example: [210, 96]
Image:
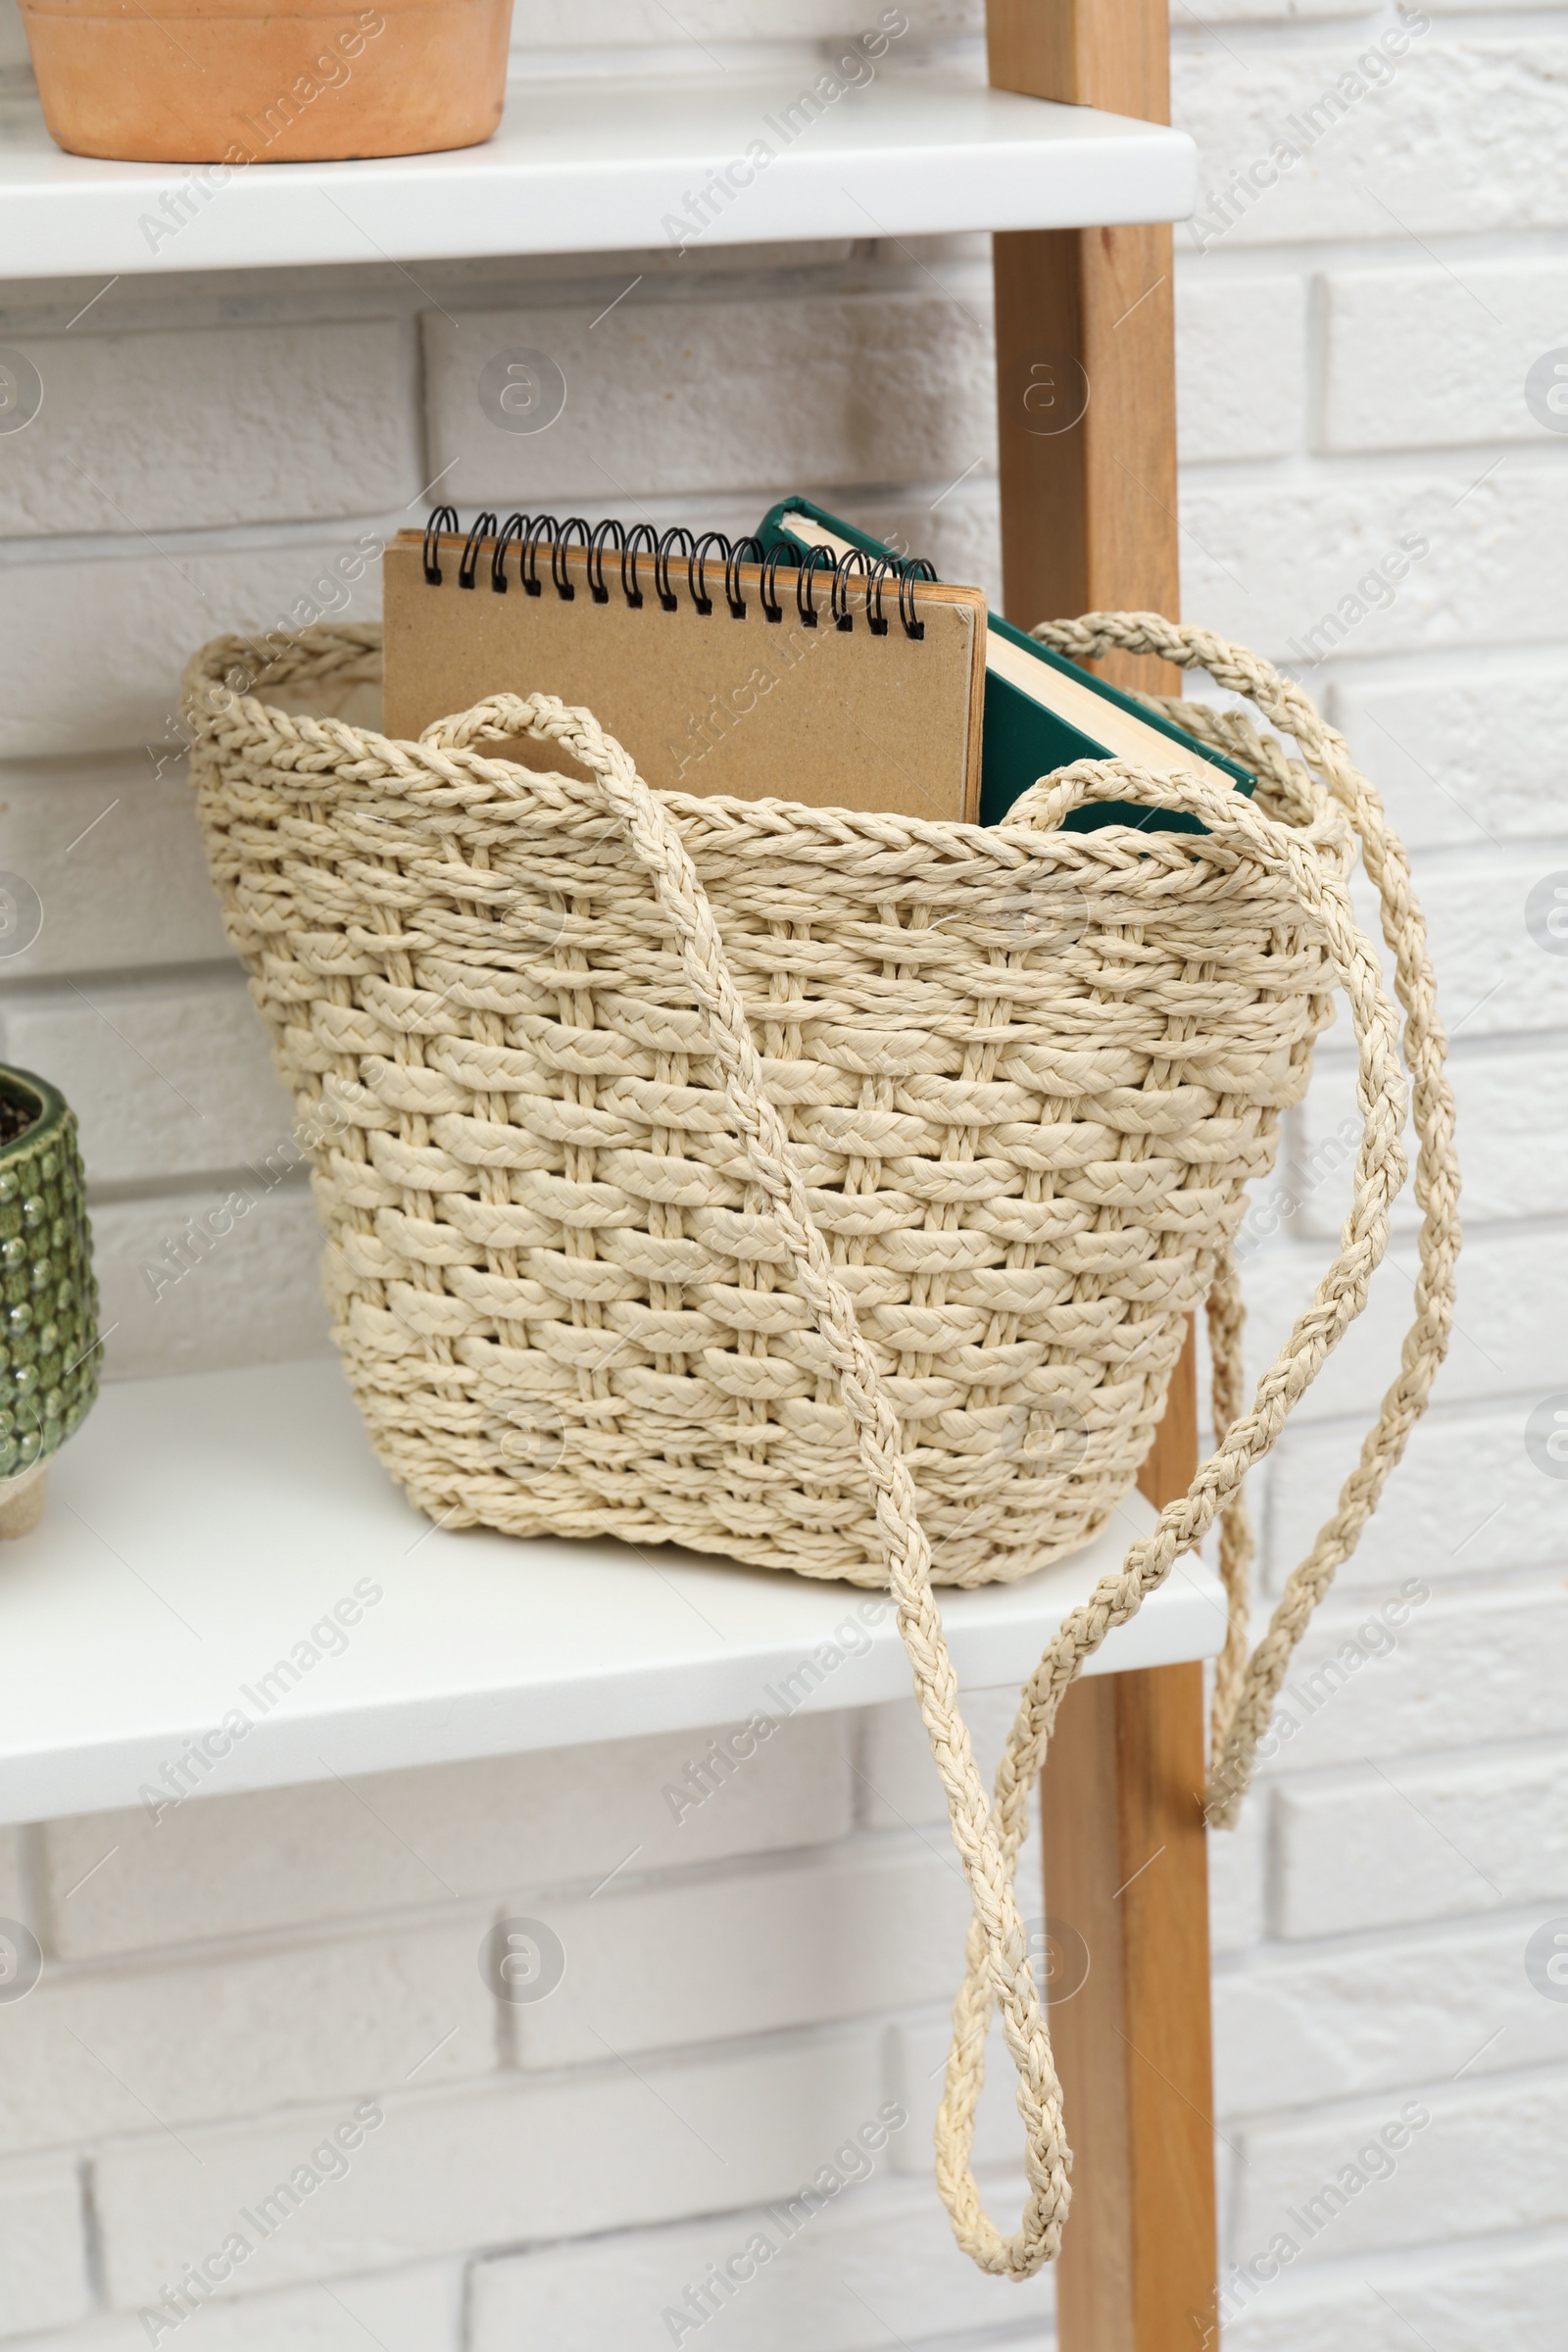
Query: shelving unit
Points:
[198, 1529]
[605, 167]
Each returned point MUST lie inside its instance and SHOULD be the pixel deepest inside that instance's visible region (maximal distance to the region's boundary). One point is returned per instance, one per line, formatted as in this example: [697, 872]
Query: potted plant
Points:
[48, 1298]
[231, 82]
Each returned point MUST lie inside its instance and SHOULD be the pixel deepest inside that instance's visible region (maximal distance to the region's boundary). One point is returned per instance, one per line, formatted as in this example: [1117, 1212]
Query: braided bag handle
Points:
[988, 1840]
[1245, 1685]
[999, 1935]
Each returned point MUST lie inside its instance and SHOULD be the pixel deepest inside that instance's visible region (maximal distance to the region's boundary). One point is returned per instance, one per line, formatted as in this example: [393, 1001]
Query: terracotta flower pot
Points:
[232, 83]
[48, 1298]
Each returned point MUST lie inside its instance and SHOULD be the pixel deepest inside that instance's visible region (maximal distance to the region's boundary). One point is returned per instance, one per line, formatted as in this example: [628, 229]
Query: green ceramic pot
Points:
[48, 1298]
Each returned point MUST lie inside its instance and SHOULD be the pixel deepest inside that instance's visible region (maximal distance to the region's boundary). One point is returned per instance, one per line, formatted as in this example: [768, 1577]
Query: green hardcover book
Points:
[1041, 711]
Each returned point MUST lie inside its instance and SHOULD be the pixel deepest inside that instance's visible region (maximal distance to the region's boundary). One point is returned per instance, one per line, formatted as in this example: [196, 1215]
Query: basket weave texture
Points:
[1024, 1077]
[700, 1169]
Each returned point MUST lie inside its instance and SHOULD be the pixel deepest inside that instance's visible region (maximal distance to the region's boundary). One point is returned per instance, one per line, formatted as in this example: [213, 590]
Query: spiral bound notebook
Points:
[844, 683]
[1041, 711]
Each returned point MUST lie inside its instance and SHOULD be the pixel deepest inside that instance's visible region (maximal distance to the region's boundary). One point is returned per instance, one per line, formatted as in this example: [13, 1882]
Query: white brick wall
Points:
[1252, 411]
[746, 1986]
[1462, 1505]
[1491, 2157]
[865, 2272]
[1511, 1093]
[566, 1819]
[95, 2051]
[1474, 749]
[1427, 1839]
[1456, 1998]
[694, 370]
[414, 2308]
[1508, 2292]
[322, 409]
[769, 1949]
[142, 615]
[260, 1291]
[1489, 335]
[104, 842]
[43, 2252]
[170, 1073]
[1405, 1841]
[611, 2146]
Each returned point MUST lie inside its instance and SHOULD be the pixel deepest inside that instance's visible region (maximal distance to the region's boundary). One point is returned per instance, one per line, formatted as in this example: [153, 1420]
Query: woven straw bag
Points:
[830, 1191]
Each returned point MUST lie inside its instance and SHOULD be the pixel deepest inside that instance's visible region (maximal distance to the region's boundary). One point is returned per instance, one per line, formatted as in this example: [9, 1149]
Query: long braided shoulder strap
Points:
[1311, 857]
[1247, 1685]
[1281, 828]
[997, 1927]
[998, 1975]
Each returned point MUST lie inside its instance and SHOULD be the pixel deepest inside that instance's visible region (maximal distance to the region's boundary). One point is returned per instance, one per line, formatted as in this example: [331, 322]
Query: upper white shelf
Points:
[203, 1534]
[605, 167]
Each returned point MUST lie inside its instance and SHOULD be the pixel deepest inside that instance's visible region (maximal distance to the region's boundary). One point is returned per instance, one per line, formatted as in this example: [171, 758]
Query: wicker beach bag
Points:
[830, 1191]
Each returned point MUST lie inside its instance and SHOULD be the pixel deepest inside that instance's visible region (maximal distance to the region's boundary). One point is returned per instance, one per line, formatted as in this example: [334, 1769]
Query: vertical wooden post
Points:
[1126, 1866]
[1086, 391]
[1085, 345]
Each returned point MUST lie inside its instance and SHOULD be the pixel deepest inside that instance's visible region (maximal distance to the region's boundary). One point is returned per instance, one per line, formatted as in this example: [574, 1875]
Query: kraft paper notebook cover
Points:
[1041, 711]
[866, 692]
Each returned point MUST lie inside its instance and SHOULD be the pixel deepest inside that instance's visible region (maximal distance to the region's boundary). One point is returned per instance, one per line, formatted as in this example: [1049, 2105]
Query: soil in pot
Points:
[15, 1119]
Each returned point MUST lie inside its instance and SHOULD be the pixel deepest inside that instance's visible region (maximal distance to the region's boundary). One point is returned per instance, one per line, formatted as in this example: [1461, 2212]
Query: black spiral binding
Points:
[843, 571]
[916, 569]
[668, 597]
[596, 560]
[814, 560]
[732, 573]
[484, 527]
[768, 588]
[631, 548]
[445, 518]
[851, 574]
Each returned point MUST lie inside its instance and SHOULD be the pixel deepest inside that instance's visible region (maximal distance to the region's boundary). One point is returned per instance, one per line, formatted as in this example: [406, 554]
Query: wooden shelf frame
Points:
[1076, 190]
[610, 166]
[1085, 329]
[225, 1545]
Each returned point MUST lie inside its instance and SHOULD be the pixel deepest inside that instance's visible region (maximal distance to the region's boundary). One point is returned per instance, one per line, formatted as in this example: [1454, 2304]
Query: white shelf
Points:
[595, 166]
[198, 1528]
